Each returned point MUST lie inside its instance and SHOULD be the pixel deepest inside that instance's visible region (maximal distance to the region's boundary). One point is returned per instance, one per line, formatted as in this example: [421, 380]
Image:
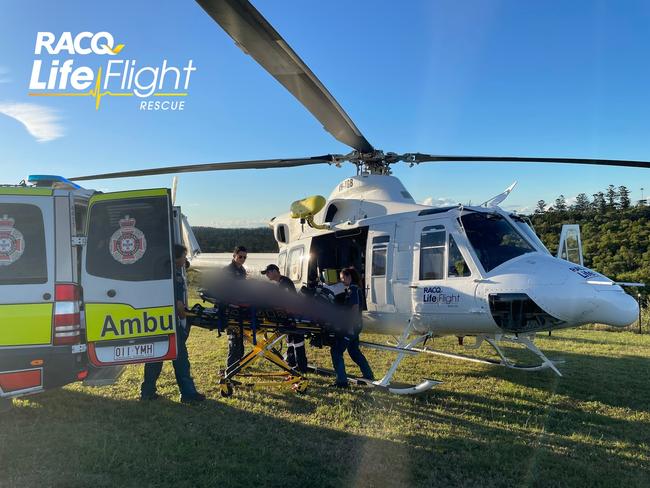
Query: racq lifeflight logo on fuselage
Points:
[67, 66]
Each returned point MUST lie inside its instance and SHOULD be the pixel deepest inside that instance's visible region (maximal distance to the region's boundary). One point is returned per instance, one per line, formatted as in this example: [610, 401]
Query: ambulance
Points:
[86, 283]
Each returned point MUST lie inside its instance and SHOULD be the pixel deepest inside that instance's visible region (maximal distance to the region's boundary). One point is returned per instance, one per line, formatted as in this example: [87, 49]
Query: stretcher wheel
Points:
[226, 390]
[300, 386]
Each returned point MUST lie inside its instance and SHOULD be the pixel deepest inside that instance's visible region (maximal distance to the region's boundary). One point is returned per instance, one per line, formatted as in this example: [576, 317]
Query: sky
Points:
[488, 77]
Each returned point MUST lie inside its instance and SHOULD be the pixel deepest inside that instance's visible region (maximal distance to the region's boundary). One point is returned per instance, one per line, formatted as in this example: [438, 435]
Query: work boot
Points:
[147, 398]
[196, 398]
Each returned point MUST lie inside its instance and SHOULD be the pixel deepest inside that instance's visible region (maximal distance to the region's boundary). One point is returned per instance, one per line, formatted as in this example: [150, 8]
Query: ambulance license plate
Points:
[133, 351]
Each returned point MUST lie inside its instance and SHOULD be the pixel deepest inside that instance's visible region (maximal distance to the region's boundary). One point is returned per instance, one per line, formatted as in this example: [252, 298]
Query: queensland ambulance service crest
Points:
[128, 244]
[12, 242]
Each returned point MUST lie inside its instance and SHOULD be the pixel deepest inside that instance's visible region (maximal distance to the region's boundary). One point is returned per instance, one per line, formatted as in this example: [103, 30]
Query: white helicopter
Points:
[464, 271]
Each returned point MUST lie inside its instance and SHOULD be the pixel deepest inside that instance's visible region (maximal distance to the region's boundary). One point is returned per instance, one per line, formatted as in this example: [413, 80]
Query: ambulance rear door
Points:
[27, 286]
[127, 278]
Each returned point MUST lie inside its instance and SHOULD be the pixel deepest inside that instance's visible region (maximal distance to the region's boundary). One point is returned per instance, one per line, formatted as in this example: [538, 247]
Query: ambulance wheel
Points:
[226, 390]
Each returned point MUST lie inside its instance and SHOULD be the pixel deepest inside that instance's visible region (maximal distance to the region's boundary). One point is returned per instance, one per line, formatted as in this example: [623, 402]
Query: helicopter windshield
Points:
[525, 226]
[494, 239]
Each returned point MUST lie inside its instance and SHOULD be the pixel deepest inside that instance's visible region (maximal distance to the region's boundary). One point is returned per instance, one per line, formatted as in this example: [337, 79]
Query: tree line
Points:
[615, 233]
[213, 239]
[611, 198]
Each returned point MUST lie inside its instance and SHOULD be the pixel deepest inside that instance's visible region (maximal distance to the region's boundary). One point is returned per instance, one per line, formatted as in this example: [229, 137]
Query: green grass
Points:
[484, 426]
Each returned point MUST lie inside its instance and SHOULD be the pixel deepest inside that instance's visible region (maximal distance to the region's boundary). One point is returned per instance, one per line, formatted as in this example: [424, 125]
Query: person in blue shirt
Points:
[348, 338]
[185, 382]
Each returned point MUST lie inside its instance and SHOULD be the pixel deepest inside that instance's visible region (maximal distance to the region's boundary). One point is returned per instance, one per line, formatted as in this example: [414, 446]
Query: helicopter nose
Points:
[584, 303]
[613, 307]
[583, 297]
[571, 294]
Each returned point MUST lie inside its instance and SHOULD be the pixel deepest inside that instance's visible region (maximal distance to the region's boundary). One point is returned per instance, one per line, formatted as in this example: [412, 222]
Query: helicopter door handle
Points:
[111, 293]
[415, 287]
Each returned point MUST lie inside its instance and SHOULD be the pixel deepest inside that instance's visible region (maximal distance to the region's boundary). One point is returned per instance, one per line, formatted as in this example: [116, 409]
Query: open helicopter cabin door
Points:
[127, 278]
[379, 268]
[570, 248]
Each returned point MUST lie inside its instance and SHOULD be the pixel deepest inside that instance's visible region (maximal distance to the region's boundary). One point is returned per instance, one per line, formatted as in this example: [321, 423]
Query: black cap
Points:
[271, 267]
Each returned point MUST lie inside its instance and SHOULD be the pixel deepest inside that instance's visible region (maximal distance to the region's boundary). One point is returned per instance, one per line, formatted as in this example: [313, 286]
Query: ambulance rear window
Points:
[128, 240]
[22, 245]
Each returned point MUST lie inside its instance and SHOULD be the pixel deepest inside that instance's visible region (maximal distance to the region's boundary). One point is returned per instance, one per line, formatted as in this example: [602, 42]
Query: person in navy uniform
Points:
[236, 271]
[348, 338]
[185, 382]
[296, 355]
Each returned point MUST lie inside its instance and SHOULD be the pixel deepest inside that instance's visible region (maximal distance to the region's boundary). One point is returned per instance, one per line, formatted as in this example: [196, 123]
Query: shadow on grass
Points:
[78, 438]
[70, 438]
[620, 382]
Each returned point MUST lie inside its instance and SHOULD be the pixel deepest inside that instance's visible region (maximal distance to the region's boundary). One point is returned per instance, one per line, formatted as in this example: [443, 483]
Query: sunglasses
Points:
[241, 256]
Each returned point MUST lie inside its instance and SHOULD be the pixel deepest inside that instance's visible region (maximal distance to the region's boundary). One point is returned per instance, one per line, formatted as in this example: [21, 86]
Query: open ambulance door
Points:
[127, 278]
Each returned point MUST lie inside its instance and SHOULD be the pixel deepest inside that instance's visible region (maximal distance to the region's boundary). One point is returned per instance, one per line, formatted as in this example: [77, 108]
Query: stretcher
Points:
[264, 329]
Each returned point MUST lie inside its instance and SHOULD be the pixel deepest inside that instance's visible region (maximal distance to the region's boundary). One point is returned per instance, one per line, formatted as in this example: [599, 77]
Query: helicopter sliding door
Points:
[379, 268]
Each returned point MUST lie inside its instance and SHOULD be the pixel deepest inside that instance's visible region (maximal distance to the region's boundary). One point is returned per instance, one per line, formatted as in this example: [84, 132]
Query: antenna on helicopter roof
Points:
[496, 200]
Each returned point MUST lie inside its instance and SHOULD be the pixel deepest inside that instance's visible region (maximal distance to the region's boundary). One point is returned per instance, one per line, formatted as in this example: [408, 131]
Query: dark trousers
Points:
[181, 369]
[296, 354]
[235, 347]
[351, 344]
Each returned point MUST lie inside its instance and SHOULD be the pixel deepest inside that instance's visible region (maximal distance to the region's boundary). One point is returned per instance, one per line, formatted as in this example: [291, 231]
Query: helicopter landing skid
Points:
[504, 360]
[403, 348]
[392, 387]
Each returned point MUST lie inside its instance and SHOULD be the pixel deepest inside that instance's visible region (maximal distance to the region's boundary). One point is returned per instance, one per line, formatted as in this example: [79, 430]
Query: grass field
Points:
[484, 426]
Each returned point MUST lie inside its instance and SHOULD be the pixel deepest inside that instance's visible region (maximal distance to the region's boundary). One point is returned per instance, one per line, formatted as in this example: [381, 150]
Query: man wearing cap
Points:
[296, 355]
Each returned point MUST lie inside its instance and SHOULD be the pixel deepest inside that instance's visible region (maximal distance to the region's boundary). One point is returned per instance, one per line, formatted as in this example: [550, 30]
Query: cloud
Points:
[4, 72]
[520, 209]
[439, 202]
[41, 122]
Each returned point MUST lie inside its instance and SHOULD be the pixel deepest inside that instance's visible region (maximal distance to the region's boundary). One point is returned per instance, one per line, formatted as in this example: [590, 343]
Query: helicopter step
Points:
[504, 361]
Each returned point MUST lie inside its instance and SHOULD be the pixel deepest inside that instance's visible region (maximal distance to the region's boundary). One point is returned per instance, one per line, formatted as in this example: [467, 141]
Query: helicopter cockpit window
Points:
[432, 252]
[525, 226]
[494, 239]
[457, 266]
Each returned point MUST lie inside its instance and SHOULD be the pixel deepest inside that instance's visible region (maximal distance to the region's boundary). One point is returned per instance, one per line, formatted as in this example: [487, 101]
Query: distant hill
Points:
[213, 239]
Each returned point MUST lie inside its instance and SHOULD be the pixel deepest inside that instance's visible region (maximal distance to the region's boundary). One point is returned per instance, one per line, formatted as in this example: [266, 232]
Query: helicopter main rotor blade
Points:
[256, 37]
[260, 164]
[417, 158]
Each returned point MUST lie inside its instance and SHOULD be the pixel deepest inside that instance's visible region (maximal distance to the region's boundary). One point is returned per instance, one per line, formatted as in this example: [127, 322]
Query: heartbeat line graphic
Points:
[97, 94]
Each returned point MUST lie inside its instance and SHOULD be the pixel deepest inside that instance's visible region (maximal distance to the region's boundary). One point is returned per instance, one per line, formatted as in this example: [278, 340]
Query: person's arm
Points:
[180, 309]
[354, 300]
